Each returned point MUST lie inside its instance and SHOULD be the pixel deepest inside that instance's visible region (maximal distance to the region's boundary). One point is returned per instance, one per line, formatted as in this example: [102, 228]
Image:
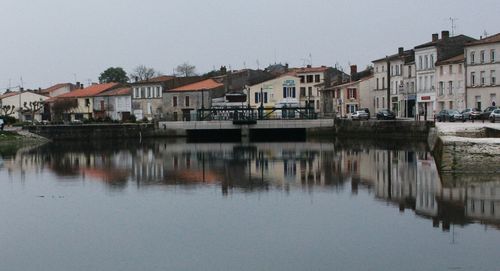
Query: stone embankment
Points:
[466, 147]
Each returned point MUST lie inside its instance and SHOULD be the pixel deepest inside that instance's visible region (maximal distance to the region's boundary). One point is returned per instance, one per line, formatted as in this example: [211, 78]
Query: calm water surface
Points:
[280, 206]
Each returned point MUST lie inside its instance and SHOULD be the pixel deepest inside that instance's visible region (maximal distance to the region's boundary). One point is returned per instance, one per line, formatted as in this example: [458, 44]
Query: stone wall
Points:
[396, 129]
[93, 131]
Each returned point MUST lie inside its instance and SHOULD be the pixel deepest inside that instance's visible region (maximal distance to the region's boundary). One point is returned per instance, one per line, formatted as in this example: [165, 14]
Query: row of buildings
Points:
[448, 72]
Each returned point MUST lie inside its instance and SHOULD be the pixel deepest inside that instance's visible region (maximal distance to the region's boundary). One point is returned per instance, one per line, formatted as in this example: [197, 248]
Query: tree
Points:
[33, 108]
[186, 69]
[7, 110]
[142, 73]
[115, 75]
[61, 106]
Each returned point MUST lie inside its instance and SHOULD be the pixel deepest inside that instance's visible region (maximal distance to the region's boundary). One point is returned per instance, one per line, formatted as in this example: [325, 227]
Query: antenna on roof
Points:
[485, 34]
[453, 22]
[258, 64]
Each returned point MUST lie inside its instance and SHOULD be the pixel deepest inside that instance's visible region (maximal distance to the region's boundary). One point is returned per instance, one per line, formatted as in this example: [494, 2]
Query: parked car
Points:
[471, 114]
[386, 114]
[449, 115]
[487, 112]
[360, 115]
[495, 115]
[367, 111]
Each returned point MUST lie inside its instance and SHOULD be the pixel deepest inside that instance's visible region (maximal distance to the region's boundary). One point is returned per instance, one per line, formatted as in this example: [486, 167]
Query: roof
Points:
[159, 79]
[452, 60]
[88, 91]
[491, 39]
[198, 86]
[55, 87]
[459, 38]
[309, 69]
[117, 92]
[406, 56]
[9, 94]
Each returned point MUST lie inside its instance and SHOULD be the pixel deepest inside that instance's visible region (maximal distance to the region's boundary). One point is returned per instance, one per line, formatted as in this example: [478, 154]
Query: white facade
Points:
[308, 92]
[425, 59]
[407, 104]
[450, 86]
[482, 70]
[379, 95]
[273, 91]
[18, 100]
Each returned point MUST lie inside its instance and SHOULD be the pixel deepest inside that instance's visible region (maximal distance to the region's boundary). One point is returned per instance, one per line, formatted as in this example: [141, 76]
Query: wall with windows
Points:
[450, 90]
[274, 91]
[482, 71]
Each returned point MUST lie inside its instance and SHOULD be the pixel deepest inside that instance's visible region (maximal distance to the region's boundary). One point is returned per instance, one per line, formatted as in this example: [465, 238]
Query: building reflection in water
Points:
[407, 178]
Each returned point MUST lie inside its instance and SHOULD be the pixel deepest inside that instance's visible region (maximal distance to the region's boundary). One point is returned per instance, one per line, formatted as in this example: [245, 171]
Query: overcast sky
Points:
[53, 41]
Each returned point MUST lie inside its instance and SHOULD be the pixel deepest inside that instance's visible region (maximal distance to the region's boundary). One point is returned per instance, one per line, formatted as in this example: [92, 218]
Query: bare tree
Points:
[61, 106]
[7, 110]
[142, 73]
[33, 108]
[186, 69]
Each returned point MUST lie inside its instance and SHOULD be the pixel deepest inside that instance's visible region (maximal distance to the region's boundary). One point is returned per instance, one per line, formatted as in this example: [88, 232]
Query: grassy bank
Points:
[7, 136]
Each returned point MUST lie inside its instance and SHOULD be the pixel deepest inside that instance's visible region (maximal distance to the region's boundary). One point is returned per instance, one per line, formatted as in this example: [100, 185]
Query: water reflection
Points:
[406, 178]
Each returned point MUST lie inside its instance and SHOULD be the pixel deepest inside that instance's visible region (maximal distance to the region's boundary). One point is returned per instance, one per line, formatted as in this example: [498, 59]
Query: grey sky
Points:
[52, 41]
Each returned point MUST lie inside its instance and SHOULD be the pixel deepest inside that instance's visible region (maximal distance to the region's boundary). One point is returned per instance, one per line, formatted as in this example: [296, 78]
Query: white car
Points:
[359, 115]
[495, 115]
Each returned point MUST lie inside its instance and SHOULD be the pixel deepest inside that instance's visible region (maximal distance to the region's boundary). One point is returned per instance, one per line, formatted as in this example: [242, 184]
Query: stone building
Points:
[450, 78]
[482, 67]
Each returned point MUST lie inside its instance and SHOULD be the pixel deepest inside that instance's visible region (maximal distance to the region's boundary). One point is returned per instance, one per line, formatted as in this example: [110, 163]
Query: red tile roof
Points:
[88, 91]
[9, 94]
[452, 60]
[309, 69]
[158, 79]
[198, 86]
[491, 39]
[56, 87]
[117, 92]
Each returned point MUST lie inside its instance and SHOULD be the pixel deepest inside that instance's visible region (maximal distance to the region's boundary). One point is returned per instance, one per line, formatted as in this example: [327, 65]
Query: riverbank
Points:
[466, 148]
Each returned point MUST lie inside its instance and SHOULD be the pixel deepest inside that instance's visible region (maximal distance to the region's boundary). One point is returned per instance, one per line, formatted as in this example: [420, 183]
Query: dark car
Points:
[487, 112]
[386, 114]
[471, 114]
[449, 115]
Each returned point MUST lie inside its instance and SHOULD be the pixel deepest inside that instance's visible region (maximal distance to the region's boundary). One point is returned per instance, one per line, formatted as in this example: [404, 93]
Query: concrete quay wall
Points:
[93, 131]
[390, 129]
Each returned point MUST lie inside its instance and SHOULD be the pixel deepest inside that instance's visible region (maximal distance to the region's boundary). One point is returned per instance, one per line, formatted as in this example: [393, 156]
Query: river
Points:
[174, 205]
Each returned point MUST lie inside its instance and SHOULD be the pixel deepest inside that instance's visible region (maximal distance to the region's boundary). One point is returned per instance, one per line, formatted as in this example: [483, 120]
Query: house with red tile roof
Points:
[147, 95]
[59, 89]
[83, 100]
[182, 102]
[115, 104]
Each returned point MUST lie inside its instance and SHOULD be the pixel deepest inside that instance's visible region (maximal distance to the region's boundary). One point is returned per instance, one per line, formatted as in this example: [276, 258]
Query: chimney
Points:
[286, 67]
[435, 37]
[81, 85]
[445, 34]
[136, 79]
[401, 51]
[354, 70]
[309, 66]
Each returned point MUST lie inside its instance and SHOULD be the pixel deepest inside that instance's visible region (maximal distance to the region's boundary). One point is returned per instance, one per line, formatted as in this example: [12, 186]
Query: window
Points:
[288, 92]
[473, 78]
[441, 88]
[309, 79]
[478, 102]
[310, 91]
[460, 68]
[419, 62]
[383, 68]
[351, 93]
[472, 57]
[481, 56]
[482, 78]
[493, 79]
[186, 101]
[302, 79]
[136, 93]
[149, 92]
[143, 93]
[492, 55]
[257, 97]
[426, 61]
[377, 83]
[158, 92]
[432, 61]
[450, 69]
[450, 87]
[383, 82]
[302, 91]
[316, 78]
[409, 71]
[441, 70]
[174, 101]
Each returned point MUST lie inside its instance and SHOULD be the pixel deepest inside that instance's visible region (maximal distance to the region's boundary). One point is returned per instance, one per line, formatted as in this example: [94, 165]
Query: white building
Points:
[482, 67]
[426, 56]
[450, 79]
[271, 92]
[308, 91]
[115, 104]
[22, 102]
